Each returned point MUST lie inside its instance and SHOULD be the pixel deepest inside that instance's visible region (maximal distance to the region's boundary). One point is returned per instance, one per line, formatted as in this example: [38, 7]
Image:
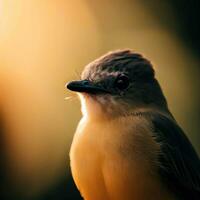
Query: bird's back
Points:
[179, 163]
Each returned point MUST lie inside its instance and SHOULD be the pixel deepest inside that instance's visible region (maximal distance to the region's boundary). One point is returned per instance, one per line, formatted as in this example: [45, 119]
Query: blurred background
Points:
[44, 44]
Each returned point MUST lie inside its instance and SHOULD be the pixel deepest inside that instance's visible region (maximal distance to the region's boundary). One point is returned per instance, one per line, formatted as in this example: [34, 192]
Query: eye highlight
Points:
[121, 82]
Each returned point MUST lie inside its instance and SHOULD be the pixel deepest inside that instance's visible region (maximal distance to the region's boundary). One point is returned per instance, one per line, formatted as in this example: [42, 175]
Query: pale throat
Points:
[101, 108]
[90, 108]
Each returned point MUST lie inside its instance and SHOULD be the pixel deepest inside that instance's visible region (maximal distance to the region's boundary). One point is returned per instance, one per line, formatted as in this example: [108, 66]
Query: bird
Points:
[128, 144]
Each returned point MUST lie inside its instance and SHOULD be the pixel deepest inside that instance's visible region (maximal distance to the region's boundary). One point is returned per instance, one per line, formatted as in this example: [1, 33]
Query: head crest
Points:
[125, 61]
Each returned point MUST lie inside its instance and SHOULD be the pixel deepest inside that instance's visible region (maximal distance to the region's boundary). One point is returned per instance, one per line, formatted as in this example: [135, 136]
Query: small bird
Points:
[128, 146]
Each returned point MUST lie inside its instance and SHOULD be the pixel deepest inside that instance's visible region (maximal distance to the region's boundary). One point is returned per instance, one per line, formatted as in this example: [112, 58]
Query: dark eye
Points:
[122, 82]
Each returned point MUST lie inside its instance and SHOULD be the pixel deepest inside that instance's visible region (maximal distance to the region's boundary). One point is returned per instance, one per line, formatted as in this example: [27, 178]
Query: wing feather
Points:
[179, 163]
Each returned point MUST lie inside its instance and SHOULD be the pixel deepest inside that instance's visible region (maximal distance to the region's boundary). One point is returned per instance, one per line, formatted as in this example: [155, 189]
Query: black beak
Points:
[85, 86]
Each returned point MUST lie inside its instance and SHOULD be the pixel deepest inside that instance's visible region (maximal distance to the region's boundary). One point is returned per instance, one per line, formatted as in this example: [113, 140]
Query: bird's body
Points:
[101, 164]
[130, 147]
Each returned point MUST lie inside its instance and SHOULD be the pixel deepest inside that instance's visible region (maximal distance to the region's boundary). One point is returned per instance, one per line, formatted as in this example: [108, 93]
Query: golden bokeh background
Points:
[44, 44]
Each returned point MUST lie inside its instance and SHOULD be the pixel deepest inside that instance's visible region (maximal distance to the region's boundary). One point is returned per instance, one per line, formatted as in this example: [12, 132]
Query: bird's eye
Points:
[122, 82]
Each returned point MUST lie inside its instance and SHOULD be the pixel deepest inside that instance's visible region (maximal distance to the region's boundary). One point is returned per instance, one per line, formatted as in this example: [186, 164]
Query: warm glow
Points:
[42, 46]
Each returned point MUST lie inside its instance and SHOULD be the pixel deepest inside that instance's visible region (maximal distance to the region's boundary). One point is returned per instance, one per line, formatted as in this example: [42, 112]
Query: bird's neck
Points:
[93, 110]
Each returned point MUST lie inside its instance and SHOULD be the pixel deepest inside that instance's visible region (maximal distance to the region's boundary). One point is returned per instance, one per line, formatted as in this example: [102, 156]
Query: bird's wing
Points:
[179, 163]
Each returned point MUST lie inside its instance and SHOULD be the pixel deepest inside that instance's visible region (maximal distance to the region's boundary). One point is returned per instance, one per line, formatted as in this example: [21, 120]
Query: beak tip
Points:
[68, 85]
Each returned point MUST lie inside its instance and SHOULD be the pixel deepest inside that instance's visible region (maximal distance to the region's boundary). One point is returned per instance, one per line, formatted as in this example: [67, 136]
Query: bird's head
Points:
[118, 83]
